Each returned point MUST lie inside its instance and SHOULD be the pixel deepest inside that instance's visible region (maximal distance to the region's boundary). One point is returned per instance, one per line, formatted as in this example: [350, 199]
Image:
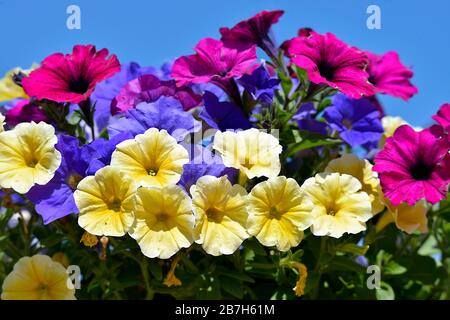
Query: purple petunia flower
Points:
[106, 91]
[260, 84]
[306, 121]
[357, 121]
[148, 88]
[223, 115]
[55, 199]
[204, 162]
[100, 150]
[166, 113]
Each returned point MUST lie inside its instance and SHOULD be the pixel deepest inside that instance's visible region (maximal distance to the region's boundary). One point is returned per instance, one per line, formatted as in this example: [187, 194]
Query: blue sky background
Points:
[153, 31]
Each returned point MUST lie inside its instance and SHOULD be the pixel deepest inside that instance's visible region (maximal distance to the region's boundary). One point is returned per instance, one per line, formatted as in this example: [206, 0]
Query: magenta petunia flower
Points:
[443, 116]
[25, 111]
[390, 76]
[71, 77]
[414, 165]
[253, 31]
[215, 63]
[148, 88]
[330, 61]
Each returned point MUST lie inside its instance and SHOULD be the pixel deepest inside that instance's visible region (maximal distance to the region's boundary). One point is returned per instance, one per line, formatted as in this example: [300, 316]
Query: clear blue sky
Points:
[152, 31]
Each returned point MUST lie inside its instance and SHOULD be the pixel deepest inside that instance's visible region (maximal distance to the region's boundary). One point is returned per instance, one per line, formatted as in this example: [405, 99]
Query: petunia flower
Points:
[361, 169]
[253, 31]
[220, 213]
[214, 63]
[164, 222]
[71, 77]
[2, 123]
[390, 124]
[99, 151]
[260, 85]
[108, 89]
[305, 118]
[390, 76]
[279, 213]
[151, 159]
[356, 121]
[55, 200]
[9, 90]
[105, 202]
[331, 62]
[223, 115]
[37, 278]
[28, 156]
[25, 111]
[166, 113]
[339, 204]
[148, 88]
[443, 116]
[414, 165]
[254, 153]
[407, 218]
[203, 162]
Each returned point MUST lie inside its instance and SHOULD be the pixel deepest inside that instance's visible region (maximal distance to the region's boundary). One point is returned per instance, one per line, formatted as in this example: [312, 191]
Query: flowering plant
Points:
[222, 175]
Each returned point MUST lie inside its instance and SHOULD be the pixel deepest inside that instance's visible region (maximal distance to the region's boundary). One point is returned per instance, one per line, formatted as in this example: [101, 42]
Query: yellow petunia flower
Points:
[390, 124]
[9, 89]
[37, 278]
[2, 122]
[408, 218]
[279, 212]
[221, 214]
[253, 152]
[339, 204]
[28, 156]
[89, 240]
[361, 169]
[105, 202]
[164, 222]
[152, 159]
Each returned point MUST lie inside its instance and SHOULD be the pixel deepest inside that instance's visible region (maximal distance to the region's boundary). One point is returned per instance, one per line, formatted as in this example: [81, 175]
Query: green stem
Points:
[144, 270]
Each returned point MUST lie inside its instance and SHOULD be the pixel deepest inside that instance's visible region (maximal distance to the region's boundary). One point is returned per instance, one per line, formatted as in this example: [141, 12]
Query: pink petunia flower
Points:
[390, 76]
[213, 62]
[148, 88]
[25, 111]
[330, 61]
[414, 165]
[71, 77]
[253, 31]
[443, 116]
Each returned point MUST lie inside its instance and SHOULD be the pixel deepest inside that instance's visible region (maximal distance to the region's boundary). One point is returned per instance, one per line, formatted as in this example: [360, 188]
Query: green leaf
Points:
[385, 292]
[345, 264]
[352, 248]
[232, 286]
[310, 141]
[393, 268]
[156, 270]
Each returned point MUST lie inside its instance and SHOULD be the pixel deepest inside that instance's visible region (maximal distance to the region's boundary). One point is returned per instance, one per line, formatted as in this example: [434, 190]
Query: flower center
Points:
[152, 172]
[32, 162]
[421, 171]
[79, 85]
[115, 205]
[162, 217]
[326, 71]
[214, 214]
[247, 163]
[73, 180]
[347, 123]
[274, 213]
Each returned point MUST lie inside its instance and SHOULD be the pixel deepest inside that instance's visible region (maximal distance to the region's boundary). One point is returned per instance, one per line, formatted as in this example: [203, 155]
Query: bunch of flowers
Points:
[221, 175]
